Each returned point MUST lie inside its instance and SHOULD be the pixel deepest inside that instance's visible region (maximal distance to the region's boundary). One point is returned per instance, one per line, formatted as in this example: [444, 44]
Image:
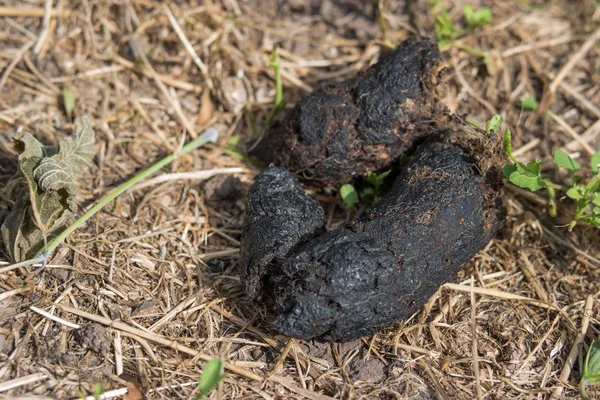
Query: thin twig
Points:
[22, 381]
[109, 394]
[45, 27]
[28, 12]
[194, 175]
[474, 342]
[574, 59]
[14, 62]
[188, 47]
[570, 361]
[571, 132]
[174, 104]
[54, 318]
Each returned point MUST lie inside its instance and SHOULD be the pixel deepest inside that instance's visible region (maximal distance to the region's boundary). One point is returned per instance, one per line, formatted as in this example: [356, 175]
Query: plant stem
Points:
[551, 199]
[276, 65]
[582, 392]
[210, 135]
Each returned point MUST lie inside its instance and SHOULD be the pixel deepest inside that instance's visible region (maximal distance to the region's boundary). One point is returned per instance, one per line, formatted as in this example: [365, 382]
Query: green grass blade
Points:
[209, 136]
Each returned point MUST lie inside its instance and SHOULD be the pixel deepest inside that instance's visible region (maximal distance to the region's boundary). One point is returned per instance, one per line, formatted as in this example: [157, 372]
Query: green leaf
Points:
[473, 123]
[528, 103]
[44, 190]
[468, 11]
[563, 160]
[591, 368]
[522, 176]
[595, 162]
[349, 195]
[576, 193]
[69, 100]
[98, 391]
[596, 199]
[592, 185]
[377, 179]
[534, 166]
[494, 123]
[77, 151]
[507, 145]
[445, 29]
[211, 375]
[478, 17]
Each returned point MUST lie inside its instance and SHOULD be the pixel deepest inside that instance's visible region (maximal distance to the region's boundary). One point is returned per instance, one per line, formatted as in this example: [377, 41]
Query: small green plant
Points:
[476, 17]
[445, 29]
[45, 186]
[528, 176]
[371, 190]
[69, 100]
[447, 32]
[528, 103]
[276, 65]
[211, 375]
[591, 369]
[98, 391]
[44, 189]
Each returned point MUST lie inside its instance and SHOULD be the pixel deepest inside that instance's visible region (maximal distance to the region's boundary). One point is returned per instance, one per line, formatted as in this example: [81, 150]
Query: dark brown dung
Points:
[348, 283]
[341, 131]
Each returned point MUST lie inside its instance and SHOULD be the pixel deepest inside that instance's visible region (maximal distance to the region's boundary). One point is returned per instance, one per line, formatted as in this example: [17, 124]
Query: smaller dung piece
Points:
[343, 130]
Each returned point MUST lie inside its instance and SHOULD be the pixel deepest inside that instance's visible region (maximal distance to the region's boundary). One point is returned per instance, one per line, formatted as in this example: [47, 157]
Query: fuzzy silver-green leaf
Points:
[44, 190]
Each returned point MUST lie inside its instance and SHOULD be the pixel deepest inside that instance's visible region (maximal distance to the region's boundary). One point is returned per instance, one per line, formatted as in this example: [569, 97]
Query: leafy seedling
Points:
[211, 375]
[349, 195]
[476, 17]
[370, 189]
[493, 125]
[374, 185]
[445, 29]
[528, 103]
[44, 189]
[32, 222]
[591, 369]
[585, 196]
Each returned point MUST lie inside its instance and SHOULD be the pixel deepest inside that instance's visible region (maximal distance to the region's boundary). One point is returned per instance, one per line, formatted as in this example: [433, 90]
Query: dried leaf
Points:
[44, 190]
[133, 393]
[207, 109]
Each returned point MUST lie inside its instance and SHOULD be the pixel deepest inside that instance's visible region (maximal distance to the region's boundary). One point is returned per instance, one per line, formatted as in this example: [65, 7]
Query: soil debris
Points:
[93, 337]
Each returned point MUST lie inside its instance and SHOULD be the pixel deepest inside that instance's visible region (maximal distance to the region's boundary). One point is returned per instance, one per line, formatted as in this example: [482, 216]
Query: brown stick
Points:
[27, 12]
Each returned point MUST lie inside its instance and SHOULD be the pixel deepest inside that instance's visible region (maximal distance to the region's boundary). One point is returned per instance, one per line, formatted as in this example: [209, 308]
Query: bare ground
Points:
[153, 280]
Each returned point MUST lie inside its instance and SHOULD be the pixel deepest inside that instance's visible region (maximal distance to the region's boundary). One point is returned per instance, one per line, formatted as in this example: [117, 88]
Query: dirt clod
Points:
[223, 192]
[93, 337]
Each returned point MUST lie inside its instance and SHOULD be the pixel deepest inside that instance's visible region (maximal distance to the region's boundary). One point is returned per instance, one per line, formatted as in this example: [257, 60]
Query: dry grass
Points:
[149, 289]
